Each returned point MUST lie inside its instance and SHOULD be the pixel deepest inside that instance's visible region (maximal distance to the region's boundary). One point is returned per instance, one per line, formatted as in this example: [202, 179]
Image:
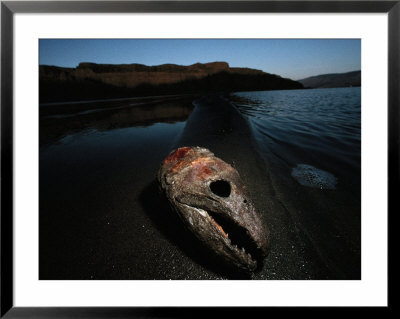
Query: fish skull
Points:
[211, 199]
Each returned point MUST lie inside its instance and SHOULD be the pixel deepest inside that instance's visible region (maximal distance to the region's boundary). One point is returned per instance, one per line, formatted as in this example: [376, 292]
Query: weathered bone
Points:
[211, 199]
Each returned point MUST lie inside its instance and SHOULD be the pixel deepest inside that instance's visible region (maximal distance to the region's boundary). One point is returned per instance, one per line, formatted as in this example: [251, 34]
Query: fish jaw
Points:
[211, 199]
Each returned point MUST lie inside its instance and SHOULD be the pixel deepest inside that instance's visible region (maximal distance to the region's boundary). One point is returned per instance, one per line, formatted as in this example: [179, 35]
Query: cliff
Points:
[90, 80]
[334, 80]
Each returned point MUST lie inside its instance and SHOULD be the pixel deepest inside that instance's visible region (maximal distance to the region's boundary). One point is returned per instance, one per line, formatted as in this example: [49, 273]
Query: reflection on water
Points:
[61, 120]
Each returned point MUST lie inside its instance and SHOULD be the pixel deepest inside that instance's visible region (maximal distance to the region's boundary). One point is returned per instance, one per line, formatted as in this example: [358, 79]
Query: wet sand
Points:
[104, 218]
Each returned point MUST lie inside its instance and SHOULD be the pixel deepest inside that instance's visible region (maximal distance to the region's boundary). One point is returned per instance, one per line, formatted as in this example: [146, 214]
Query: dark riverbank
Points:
[334, 80]
[102, 217]
[103, 81]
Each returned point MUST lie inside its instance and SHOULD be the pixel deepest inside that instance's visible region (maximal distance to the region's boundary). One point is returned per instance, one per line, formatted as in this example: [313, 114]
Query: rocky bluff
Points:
[90, 80]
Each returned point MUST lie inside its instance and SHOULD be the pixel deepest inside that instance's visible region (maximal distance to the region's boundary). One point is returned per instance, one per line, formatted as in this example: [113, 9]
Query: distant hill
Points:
[333, 80]
[96, 81]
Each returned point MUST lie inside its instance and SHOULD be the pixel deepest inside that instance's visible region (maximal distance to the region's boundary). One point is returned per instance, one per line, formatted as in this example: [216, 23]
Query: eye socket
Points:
[221, 188]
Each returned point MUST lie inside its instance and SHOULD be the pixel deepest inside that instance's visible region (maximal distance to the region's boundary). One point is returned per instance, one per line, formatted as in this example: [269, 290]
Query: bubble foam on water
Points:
[310, 176]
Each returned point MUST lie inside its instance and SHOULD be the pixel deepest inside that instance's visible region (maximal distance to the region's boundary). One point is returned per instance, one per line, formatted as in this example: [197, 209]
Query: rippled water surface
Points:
[311, 143]
[319, 128]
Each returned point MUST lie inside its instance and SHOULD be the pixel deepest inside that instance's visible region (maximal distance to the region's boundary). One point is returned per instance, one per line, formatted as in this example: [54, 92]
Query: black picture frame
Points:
[9, 8]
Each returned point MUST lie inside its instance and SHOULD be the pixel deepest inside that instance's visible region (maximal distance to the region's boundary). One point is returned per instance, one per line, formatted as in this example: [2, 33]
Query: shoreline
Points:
[111, 206]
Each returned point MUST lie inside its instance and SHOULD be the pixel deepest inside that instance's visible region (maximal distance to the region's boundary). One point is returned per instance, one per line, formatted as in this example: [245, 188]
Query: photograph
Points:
[199, 159]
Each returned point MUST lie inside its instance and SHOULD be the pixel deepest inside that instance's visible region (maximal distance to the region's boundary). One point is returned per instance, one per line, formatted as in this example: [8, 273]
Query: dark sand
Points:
[104, 218]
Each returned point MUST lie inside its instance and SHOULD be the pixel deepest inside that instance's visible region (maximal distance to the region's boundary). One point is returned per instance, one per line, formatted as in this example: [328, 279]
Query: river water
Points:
[320, 128]
[311, 140]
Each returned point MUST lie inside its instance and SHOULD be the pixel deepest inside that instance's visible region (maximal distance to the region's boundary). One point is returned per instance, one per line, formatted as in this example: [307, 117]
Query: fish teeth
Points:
[199, 210]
